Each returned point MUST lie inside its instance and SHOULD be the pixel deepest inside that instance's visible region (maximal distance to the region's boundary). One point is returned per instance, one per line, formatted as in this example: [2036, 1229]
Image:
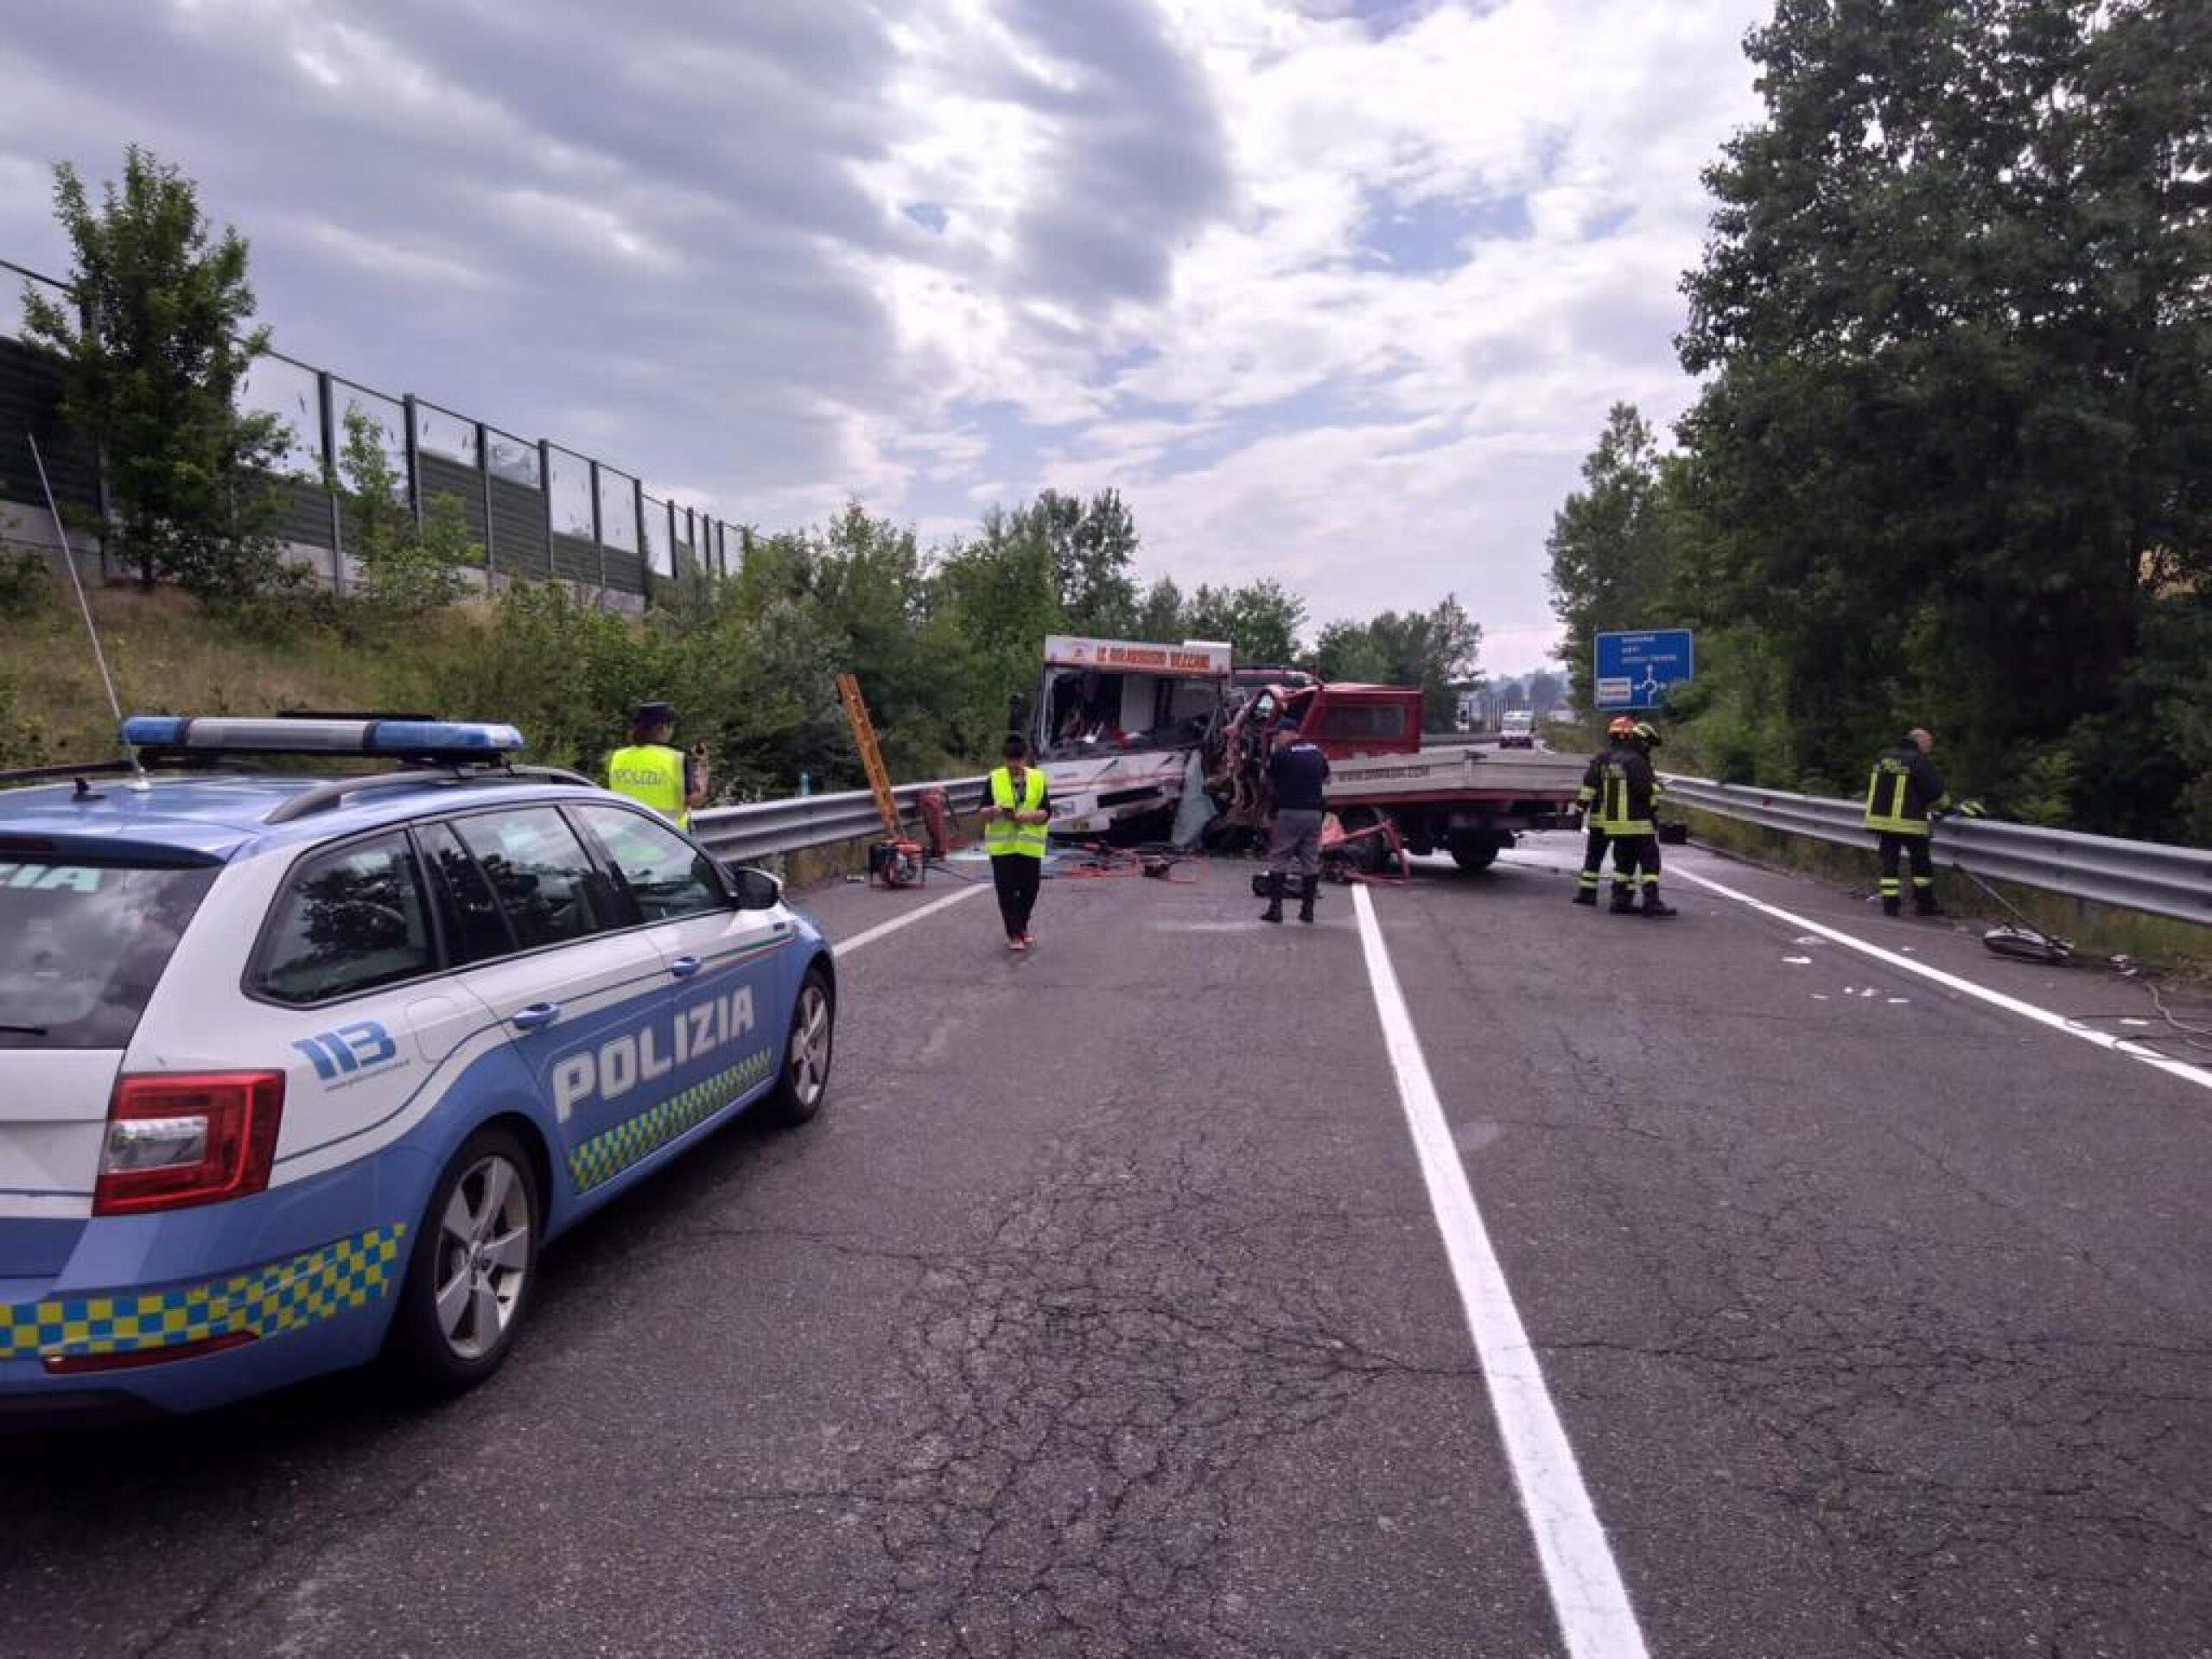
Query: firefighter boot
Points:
[1307, 886]
[1274, 912]
[1923, 902]
[1890, 905]
[1624, 899]
[1586, 895]
[1654, 905]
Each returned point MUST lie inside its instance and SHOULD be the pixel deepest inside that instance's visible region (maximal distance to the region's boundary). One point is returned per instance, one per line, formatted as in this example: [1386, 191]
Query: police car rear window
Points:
[83, 945]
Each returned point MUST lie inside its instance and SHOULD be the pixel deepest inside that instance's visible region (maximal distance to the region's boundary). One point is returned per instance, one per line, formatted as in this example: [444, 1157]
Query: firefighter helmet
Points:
[1647, 734]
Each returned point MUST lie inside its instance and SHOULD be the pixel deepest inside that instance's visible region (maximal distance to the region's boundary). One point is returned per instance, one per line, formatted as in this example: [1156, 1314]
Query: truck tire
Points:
[1475, 849]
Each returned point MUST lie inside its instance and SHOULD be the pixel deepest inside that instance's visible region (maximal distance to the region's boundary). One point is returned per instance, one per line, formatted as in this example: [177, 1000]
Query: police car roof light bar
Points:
[445, 741]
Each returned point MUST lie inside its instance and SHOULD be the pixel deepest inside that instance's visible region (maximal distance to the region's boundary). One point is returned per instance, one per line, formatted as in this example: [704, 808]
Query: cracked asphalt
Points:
[1102, 1313]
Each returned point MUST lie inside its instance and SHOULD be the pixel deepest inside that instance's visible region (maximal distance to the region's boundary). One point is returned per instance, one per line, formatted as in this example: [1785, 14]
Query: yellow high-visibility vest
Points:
[1002, 836]
[650, 775]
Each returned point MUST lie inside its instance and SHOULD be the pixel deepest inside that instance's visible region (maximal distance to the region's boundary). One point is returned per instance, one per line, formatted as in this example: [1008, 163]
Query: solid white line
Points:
[1587, 1595]
[2181, 1069]
[843, 946]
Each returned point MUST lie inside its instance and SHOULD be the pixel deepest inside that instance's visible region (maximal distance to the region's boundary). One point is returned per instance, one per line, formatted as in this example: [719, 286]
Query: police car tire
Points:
[790, 1106]
[418, 1347]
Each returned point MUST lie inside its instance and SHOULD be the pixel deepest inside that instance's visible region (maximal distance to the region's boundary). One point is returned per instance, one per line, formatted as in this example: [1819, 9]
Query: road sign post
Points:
[1635, 670]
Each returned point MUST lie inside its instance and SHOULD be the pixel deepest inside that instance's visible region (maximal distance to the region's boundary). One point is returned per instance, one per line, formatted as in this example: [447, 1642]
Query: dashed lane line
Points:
[2172, 1068]
[1587, 1595]
[843, 946]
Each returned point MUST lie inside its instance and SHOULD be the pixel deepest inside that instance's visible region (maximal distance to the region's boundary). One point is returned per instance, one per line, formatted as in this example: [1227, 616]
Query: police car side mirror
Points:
[755, 889]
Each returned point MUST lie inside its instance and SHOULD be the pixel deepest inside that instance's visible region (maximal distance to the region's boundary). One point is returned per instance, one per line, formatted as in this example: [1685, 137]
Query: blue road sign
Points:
[1635, 669]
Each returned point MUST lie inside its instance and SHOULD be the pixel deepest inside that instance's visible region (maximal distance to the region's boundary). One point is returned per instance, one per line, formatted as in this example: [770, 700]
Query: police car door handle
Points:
[685, 967]
[536, 1014]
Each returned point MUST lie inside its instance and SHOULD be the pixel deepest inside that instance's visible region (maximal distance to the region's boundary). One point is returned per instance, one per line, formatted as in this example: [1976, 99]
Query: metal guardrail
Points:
[739, 833]
[2174, 881]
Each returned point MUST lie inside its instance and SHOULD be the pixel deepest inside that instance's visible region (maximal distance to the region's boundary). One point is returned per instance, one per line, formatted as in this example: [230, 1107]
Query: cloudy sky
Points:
[1333, 291]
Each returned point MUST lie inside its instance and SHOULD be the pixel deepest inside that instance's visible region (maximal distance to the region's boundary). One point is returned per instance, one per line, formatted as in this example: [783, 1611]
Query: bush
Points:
[25, 584]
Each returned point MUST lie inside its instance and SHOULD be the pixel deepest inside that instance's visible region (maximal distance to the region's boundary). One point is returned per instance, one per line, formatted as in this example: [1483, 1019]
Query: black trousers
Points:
[1594, 860]
[1636, 862]
[1916, 848]
[1016, 878]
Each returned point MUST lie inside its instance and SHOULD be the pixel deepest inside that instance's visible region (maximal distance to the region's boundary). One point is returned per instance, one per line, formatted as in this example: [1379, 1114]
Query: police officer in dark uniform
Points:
[1298, 777]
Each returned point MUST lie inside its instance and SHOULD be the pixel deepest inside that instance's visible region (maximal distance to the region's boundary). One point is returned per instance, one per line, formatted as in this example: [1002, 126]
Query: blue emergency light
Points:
[447, 739]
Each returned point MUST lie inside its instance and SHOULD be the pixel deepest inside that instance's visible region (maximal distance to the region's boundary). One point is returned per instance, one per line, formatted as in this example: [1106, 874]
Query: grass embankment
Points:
[171, 655]
[2095, 930]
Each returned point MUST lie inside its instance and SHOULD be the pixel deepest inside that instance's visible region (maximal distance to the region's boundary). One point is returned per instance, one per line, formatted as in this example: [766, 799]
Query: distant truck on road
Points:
[1516, 729]
[1463, 798]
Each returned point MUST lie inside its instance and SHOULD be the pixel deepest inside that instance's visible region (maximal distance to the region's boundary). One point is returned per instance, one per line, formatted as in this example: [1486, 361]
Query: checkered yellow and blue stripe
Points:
[282, 1296]
[603, 1157]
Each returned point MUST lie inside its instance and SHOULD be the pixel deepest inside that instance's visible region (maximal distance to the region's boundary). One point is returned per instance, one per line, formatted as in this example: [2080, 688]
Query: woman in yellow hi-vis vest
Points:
[1014, 835]
[653, 774]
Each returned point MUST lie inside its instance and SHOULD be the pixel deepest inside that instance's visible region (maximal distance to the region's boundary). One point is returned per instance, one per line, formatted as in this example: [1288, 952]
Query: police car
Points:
[297, 1070]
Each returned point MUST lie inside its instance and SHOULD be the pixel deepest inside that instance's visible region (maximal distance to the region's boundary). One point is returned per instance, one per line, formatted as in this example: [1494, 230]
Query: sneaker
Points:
[1029, 938]
[1017, 945]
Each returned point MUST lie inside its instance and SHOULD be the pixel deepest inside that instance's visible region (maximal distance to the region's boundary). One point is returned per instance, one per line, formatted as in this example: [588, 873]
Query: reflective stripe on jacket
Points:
[1002, 836]
[1904, 790]
[650, 775]
[1625, 789]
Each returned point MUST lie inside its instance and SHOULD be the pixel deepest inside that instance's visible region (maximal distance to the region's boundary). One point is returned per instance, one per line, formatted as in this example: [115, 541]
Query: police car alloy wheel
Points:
[807, 1053]
[474, 1266]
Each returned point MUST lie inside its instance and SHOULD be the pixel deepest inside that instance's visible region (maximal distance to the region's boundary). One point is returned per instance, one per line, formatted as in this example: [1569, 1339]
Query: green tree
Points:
[1160, 614]
[153, 364]
[1611, 558]
[1954, 312]
[1435, 649]
[1093, 546]
[407, 569]
[1261, 620]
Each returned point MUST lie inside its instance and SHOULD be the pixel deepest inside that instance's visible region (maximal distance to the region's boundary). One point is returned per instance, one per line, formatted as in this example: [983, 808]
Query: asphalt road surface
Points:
[1109, 1309]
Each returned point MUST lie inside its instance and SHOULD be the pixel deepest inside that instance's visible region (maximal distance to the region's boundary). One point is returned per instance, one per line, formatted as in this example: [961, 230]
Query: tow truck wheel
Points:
[1474, 849]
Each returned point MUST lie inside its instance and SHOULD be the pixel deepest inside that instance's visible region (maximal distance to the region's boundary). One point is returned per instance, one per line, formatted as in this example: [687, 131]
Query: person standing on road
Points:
[1014, 817]
[1619, 735]
[1904, 794]
[1298, 777]
[1628, 798]
[652, 773]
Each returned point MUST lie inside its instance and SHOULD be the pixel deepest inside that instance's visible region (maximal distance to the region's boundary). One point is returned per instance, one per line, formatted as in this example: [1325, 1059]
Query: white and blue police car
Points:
[297, 1070]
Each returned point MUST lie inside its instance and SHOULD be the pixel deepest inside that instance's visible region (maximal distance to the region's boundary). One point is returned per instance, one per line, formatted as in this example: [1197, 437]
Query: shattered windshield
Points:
[1088, 712]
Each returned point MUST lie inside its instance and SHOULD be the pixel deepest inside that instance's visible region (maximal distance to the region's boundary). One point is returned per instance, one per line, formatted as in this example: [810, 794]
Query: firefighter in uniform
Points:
[1628, 800]
[652, 773]
[1015, 819]
[1618, 735]
[1903, 795]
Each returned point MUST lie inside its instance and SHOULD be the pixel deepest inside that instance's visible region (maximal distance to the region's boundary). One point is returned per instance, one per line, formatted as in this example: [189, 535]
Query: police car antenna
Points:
[69, 562]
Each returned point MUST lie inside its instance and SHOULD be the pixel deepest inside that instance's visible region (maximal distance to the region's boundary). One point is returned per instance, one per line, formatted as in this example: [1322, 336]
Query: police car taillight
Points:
[182, 1139]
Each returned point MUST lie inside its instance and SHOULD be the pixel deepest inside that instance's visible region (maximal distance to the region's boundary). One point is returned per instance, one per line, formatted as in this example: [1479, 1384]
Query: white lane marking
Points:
[1587, 1595]
[2181, 1069]
[842, 946]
